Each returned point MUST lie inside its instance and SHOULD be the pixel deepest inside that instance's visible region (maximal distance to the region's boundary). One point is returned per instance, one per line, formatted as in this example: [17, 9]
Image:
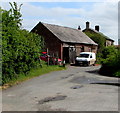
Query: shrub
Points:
[110, 61]
[20, 49]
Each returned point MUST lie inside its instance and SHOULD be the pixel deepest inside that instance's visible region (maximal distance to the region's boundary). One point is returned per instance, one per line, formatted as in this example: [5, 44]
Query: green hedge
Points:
[110, 61]
[20, 48]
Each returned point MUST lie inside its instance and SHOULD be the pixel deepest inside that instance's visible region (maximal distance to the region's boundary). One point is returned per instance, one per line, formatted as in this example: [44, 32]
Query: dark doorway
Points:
[72, 55]
[66, 54]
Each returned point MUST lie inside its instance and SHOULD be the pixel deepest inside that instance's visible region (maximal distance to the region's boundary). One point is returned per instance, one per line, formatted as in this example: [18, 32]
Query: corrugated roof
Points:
[66, 34]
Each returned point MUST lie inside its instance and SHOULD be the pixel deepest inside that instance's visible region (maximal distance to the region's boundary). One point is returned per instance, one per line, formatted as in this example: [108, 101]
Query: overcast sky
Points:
[72, 14]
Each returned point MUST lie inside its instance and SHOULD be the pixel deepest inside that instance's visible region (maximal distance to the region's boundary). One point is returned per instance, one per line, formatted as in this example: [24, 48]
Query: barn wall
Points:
[57, 48]
[53, 44]
[85, 48]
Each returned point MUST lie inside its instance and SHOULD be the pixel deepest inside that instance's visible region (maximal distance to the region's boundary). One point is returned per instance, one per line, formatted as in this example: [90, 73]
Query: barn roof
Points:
[66, 34]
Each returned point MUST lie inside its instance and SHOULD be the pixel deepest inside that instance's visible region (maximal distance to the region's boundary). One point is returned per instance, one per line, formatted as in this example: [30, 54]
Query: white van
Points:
[86, 58]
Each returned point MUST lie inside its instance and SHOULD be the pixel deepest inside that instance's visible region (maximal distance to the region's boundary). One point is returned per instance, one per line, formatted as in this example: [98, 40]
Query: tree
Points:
[20, 48]
[0, 46]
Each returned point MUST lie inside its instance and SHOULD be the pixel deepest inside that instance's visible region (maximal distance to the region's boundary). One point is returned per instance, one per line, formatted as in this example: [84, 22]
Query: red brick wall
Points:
[109, 42]
[86, 48]
[51, 42]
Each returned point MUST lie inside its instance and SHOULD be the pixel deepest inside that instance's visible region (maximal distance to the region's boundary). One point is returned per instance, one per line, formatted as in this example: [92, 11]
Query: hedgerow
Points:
[110, 61]
[20, 48]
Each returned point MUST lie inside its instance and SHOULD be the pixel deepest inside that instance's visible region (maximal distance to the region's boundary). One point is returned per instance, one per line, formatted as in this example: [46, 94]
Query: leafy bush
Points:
[117, 73]
[110, 61]
[20, 49]
[98, 58]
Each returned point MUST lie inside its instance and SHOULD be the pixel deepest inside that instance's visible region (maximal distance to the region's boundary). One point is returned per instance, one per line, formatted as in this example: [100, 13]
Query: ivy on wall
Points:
[97, 38]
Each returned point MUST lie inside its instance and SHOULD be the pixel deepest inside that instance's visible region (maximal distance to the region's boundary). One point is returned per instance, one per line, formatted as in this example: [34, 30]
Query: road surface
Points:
[74, 89]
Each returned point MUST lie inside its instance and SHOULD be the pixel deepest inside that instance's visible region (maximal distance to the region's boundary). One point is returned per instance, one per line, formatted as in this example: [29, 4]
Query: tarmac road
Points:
[74, 89]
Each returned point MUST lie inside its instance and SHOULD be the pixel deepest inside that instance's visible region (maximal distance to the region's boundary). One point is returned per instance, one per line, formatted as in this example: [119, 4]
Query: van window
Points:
[90, 56]
[84, 55]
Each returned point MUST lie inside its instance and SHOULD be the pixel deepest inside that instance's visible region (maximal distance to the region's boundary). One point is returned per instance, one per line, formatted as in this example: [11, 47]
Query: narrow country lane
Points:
[74, 89]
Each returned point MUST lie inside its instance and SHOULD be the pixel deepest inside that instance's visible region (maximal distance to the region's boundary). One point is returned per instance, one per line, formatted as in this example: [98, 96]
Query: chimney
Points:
[79, 28]
[87, 25]
[97, 28]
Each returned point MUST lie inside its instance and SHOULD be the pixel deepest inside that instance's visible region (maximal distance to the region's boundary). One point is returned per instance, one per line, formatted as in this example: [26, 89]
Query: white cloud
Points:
[30, 10]
[5, 5]
[106, 15]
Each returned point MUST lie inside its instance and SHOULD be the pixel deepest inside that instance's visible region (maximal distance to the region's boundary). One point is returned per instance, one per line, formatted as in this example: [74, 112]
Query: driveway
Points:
[74, 89]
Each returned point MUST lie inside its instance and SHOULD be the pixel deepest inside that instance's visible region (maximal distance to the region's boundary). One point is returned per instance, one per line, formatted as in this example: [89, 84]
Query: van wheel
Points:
[88, 63]
[94, 63]
[76, 63]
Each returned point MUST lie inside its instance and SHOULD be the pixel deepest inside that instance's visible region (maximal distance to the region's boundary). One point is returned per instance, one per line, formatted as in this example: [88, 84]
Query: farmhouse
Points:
[64, 42]
[108, 41]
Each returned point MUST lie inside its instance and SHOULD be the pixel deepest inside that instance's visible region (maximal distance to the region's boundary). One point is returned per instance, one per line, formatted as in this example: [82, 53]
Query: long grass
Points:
[33, 73]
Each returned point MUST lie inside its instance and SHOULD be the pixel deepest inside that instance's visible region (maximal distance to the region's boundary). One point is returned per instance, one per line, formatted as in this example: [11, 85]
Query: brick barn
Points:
[64, 42]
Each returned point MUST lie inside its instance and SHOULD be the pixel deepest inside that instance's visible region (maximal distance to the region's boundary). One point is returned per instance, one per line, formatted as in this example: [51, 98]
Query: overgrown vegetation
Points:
[110, 61]
[33, 73]
[20, 48]
[0, 47]
[108, 57]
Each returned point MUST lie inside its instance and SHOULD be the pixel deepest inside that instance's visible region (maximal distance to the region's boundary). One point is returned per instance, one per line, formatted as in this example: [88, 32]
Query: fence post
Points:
[48, 57]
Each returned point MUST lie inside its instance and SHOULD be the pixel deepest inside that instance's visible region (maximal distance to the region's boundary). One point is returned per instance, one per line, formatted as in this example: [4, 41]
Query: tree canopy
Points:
[20, 48]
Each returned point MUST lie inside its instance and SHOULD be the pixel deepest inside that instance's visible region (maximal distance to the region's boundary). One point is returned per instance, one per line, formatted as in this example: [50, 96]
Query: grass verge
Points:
[33, 73]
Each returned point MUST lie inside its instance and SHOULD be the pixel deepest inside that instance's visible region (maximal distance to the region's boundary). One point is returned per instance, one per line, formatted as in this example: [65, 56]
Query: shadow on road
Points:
[97, 72]
[113, 84]
[78, 65]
